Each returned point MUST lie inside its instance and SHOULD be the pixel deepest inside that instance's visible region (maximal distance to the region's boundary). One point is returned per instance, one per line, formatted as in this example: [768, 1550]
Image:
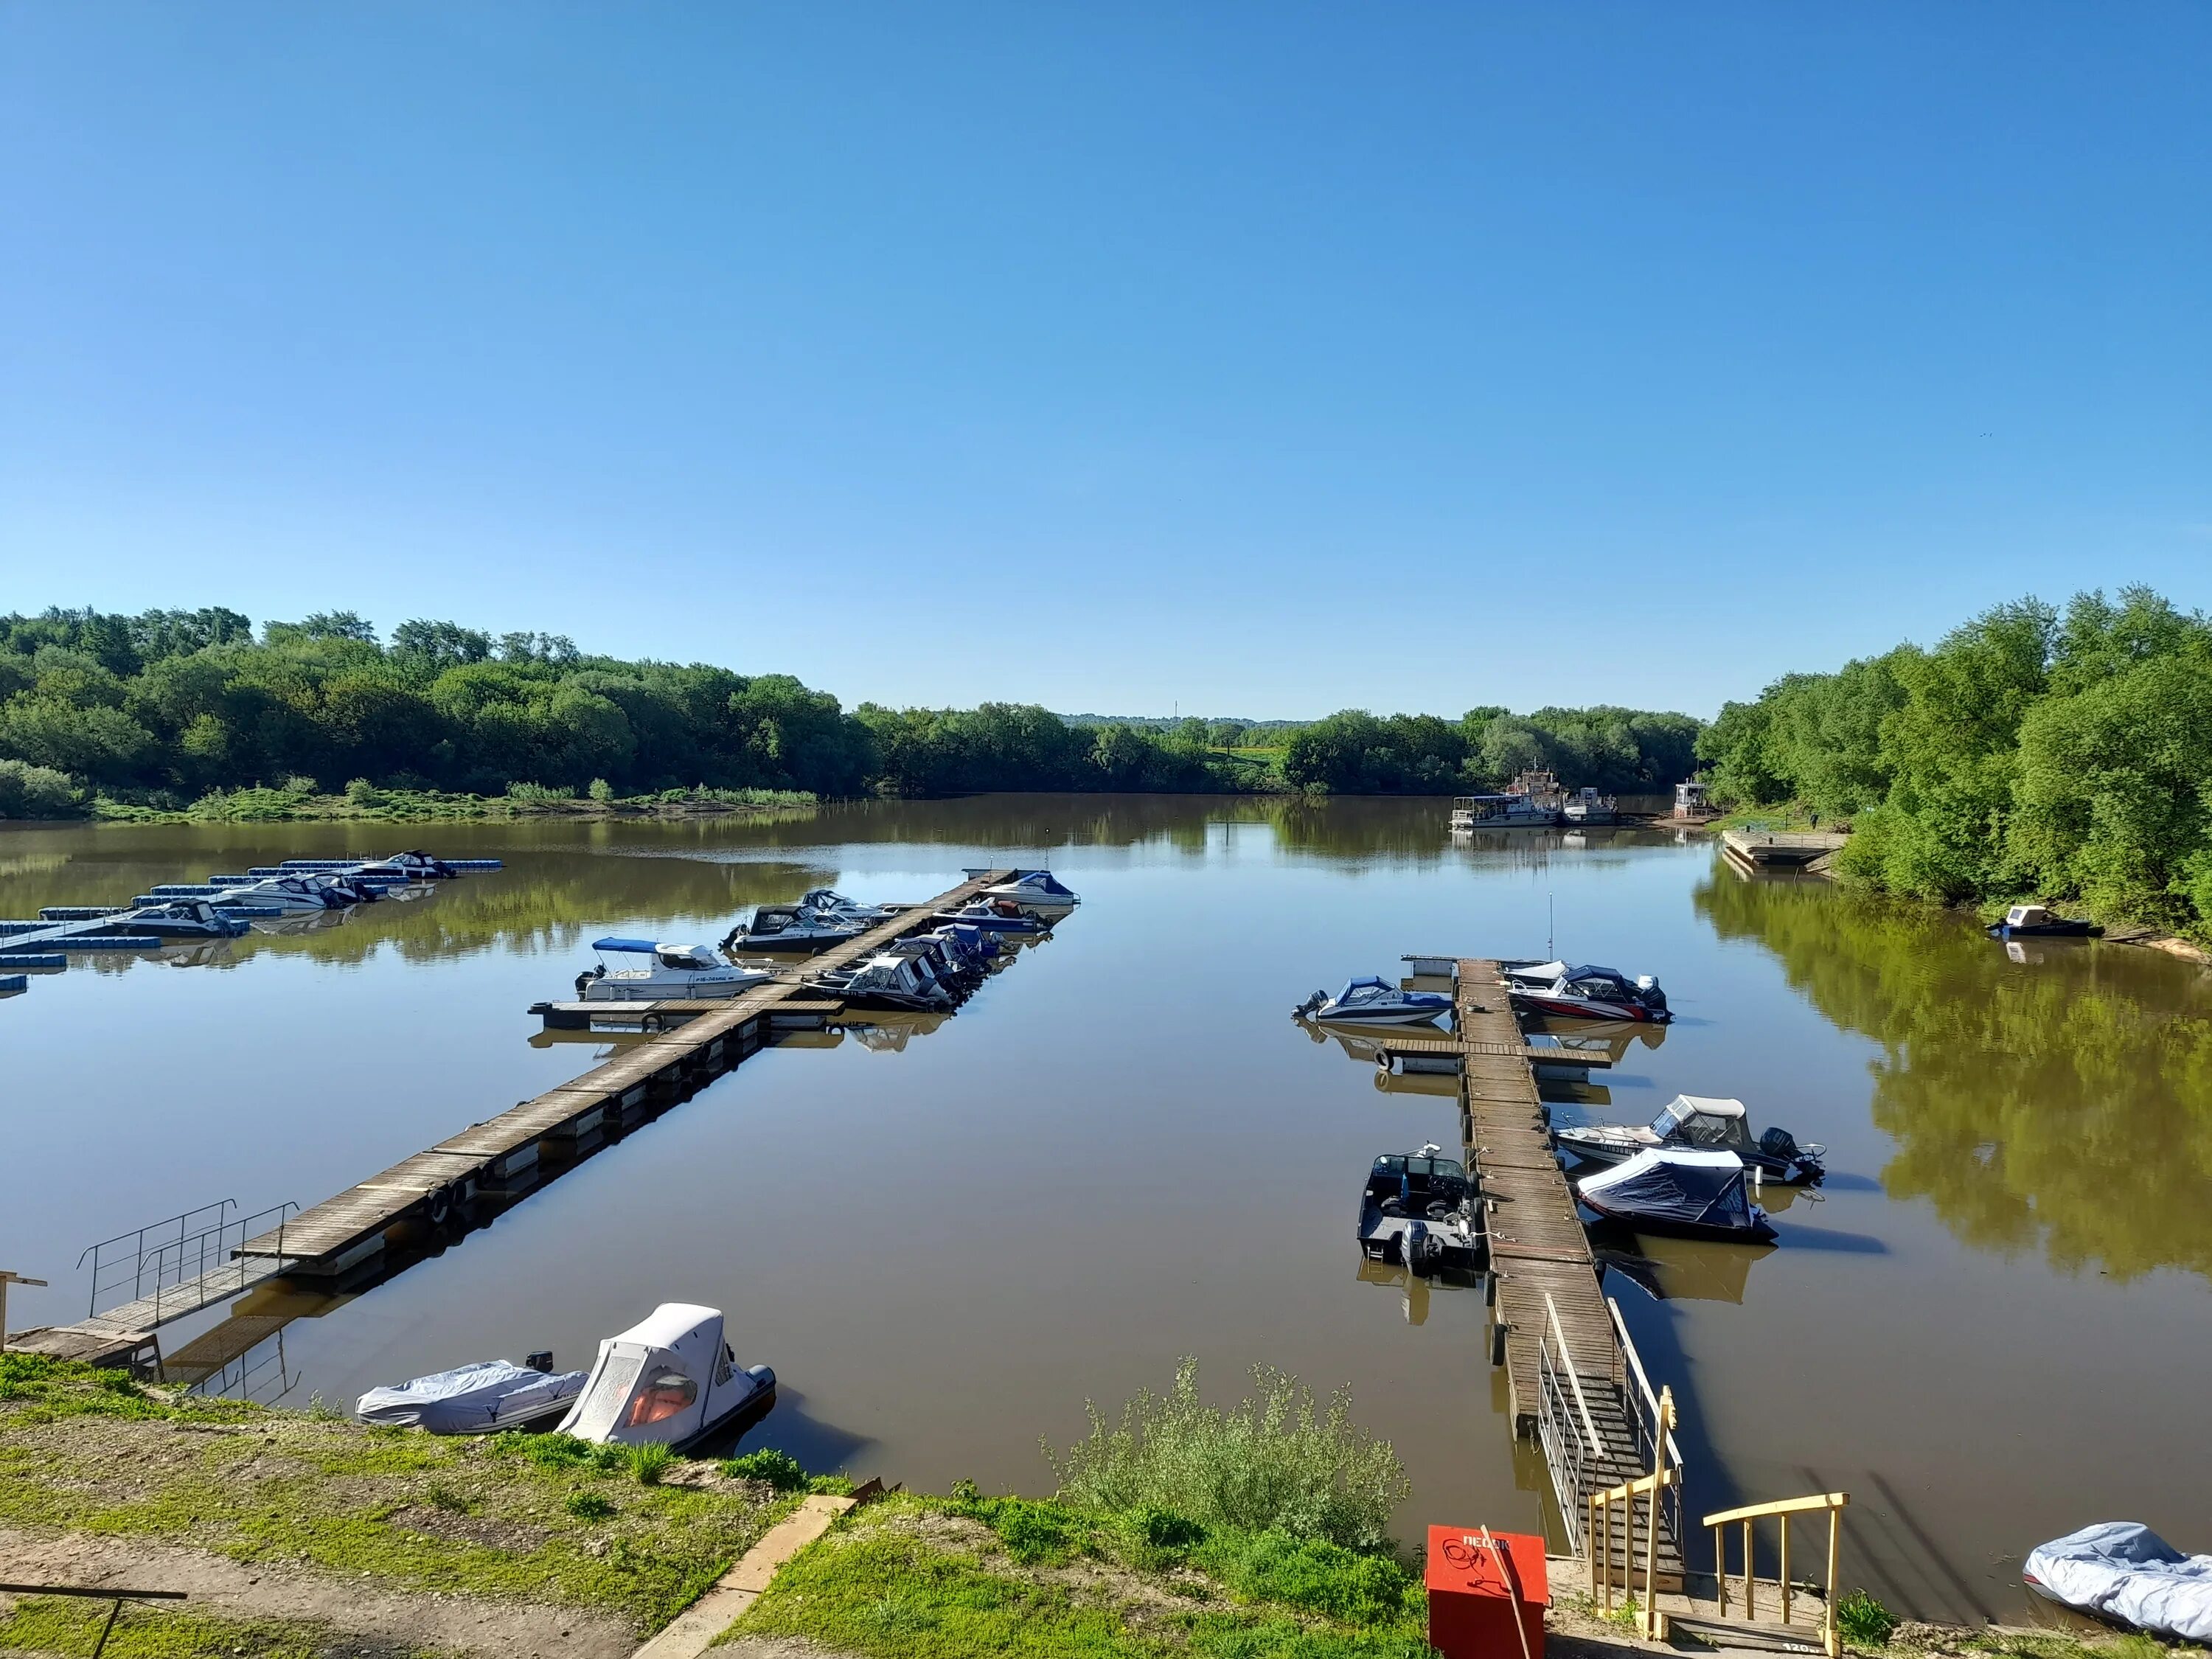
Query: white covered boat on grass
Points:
[2123, 1571]
[484, 1398]
[669, 1378]
[671, 972]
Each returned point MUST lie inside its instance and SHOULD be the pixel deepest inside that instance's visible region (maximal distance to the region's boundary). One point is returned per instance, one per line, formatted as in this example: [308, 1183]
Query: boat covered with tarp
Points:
[1666, 1190]
[2123, 1571]
[485, 1398]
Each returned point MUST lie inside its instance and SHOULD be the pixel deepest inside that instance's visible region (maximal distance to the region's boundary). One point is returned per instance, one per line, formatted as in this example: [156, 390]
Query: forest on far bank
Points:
[2030, 752]
[163, 708]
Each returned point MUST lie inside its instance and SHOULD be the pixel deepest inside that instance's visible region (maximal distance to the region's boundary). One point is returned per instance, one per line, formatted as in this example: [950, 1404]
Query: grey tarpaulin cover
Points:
[469, 1400]
[1668, 1185]
[2122, 1570]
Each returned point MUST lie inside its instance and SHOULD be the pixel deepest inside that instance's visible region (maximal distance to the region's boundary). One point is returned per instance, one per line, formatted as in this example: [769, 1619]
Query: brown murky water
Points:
[1992, 1326]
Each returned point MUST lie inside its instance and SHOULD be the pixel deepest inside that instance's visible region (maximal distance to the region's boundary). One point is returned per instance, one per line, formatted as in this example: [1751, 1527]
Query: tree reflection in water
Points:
[2064, 1102]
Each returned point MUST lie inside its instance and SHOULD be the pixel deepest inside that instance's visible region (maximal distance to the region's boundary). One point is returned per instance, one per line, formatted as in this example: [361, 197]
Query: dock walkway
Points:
[330, 1240]
[1573, 1380]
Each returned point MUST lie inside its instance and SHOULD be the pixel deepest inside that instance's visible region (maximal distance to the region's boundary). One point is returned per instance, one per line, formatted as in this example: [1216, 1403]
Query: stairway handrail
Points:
[1567, 1361]
[1825, 1500]
[1636, 1364]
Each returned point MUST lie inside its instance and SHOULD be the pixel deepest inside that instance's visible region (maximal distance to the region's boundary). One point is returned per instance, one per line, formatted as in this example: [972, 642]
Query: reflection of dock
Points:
[499, 1159]
[1777, 850]
[1572, 1377]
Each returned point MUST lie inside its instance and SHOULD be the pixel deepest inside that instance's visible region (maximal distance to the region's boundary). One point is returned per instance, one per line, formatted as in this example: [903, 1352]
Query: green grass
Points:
[518, 1516]
[53, 1624]
[1863, 1621]
[968, 1576]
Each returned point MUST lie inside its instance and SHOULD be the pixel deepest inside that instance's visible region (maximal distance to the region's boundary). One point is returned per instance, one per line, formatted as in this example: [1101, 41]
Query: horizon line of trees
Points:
[165, 706]
[2031, 752]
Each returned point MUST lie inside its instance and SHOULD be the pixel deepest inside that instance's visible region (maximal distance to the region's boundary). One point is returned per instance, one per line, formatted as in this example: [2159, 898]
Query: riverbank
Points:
[365, 803]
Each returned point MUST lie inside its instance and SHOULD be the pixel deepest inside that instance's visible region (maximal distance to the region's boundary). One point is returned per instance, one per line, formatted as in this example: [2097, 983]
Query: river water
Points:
[1992, 1326]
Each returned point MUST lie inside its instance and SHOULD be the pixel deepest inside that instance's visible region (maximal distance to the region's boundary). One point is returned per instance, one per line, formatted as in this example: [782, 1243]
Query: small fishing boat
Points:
[2034, 922]
[791, 927]
[673, 971]
[1036, 891]
[2124, 1573]
[670, 1378]
[1698, 1124]
[995, 916]
[1373, 1001]
[1667, 1189]
[1417, 1211]
[1586, 992]
[480, 1399]
[887, 981]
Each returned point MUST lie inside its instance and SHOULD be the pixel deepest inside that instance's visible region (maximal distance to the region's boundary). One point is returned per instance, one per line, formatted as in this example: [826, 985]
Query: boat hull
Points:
[1761, 1231]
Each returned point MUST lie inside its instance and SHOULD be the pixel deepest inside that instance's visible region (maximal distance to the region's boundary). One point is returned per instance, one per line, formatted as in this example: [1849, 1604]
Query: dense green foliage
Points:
[2029, 752]
[1353, 753]
[1271, 1462]
[170, 707]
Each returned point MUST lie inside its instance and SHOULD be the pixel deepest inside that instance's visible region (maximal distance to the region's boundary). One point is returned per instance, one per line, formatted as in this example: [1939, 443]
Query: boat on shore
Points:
[670, 1379]
[486, 1398]
[2124, 1573]
[671, 972]
[1666, 1190]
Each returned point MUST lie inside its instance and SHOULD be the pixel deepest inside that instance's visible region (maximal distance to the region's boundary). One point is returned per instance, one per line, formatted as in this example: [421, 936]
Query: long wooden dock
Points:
[1573, 1381]
[499, 1157]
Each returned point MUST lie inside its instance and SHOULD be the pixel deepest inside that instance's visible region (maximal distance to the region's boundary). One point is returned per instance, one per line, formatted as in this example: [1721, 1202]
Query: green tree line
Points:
[2032, 752]
[166, 706]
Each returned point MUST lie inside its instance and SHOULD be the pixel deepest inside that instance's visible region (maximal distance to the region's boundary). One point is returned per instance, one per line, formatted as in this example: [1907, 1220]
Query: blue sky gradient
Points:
[1260, 359]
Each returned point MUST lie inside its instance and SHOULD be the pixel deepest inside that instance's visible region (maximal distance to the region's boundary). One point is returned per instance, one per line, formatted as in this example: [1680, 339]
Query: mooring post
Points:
[6, 1280]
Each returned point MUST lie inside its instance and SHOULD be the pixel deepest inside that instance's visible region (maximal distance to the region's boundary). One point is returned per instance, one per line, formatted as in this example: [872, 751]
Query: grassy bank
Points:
[365, 802]
[536, 1518]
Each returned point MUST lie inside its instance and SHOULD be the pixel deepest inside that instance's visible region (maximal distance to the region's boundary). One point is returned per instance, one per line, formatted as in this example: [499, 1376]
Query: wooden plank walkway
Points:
[343, 1230]
[1533, 1054]
[1540, 1256]
[497, 1156]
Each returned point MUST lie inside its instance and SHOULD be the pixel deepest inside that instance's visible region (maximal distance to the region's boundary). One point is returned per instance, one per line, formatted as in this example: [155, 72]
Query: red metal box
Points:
[1475, 1600]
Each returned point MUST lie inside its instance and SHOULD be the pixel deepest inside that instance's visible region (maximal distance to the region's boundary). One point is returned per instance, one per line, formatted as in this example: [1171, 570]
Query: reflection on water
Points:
[2062, 1104]
[946, 1239]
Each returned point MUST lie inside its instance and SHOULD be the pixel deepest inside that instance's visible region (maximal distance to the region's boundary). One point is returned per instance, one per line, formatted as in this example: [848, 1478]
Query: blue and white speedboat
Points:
[793, 927]
[995, 916]
[830, 902]
[1373, 1001]
[674, 972]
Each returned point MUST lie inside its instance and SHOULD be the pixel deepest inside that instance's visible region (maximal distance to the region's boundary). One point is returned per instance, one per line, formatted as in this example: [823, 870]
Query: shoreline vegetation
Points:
[198, 715]
[2031, 754]
[1177, 1530]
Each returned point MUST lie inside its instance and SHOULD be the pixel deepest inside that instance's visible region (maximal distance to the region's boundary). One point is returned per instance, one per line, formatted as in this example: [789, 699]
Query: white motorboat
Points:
[1037, 891]
[291, 894]
[792, 927]
[995, 916]
[1586, 806]
[670, 1378]
[827, 902]
[1696, 1123]
[1373, 1001]
[673, 971]
[1585, 992]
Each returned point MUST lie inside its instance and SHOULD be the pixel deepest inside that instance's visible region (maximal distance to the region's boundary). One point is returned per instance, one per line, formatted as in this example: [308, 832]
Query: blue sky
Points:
[1260, 359]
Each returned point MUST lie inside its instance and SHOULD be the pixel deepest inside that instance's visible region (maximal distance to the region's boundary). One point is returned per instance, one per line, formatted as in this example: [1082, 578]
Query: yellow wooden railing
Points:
[1598, 1540]
[1832, 1502]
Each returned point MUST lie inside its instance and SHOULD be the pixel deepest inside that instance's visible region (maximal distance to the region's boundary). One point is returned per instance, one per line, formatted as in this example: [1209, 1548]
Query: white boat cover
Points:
[2122, 1570]
[669, 1377]
[1668, 1184]
[470, 1399]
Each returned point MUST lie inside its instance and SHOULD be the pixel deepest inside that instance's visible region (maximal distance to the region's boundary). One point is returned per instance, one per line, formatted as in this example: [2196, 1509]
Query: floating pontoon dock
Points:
[498, 1158]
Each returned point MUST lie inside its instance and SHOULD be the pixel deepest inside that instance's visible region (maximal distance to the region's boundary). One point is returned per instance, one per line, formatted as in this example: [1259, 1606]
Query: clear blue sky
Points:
[1263, 358]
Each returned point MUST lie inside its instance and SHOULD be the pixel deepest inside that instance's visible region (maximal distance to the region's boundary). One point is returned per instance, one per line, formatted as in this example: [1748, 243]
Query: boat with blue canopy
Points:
[1373, 1001]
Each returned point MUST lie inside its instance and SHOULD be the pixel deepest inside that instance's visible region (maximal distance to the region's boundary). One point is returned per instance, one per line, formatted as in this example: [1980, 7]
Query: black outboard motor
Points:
[1648, 992]
[1778, 1143]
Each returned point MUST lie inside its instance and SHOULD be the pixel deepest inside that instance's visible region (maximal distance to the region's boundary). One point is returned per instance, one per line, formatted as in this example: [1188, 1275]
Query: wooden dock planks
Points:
[324, 1236]
[1539, 1251]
